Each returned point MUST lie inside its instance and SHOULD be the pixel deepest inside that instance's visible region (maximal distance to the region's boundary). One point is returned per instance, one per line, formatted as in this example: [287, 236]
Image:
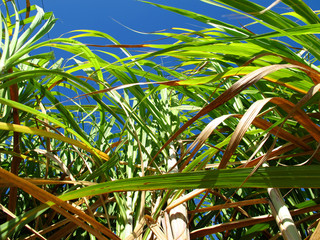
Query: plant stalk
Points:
[14, 95]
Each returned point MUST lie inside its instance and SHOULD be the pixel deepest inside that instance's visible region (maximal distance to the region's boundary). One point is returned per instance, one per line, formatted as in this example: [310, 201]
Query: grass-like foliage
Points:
[223, 143]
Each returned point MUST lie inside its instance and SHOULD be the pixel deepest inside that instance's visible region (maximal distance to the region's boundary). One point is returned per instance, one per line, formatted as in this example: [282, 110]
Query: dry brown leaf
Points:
[60, 206]
[263, 124]
[241, 129]
[4, 183]
[235, 89]
[299, 115]
[246, 222]
[277, 152]
[68, 226]
[48, 229]
[201, 138]
[231, 205]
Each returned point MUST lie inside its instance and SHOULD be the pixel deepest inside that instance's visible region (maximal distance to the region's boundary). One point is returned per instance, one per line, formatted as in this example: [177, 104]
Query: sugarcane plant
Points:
[219, 142]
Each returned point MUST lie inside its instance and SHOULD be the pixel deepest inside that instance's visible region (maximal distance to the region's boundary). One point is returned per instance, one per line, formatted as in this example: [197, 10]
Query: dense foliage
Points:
[215, 145]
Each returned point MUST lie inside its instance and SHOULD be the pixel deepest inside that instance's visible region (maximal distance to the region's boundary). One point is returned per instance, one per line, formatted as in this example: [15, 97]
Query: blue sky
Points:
[106, 16]
[102, 15]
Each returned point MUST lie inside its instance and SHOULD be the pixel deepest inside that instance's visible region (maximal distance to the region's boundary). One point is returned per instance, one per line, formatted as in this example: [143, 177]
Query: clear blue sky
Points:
[99, 15]
[102, 15]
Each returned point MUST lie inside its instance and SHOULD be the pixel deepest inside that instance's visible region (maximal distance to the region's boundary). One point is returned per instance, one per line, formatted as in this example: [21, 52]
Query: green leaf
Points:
[271, 177]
